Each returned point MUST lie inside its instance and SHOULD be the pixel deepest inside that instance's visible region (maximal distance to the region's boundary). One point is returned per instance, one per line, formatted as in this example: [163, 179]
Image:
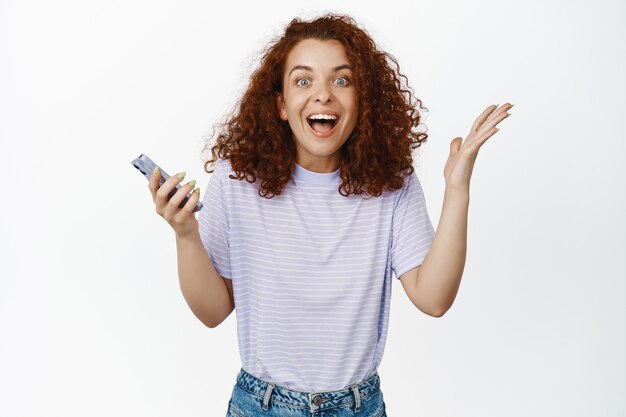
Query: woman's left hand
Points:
[463, 153]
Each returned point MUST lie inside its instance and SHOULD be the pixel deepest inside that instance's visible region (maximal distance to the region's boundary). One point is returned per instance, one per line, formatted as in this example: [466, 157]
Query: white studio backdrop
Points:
[92, 320]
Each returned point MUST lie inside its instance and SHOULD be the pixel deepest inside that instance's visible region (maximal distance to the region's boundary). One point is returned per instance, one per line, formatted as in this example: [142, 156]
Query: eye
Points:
[299, 82]
[342, 81]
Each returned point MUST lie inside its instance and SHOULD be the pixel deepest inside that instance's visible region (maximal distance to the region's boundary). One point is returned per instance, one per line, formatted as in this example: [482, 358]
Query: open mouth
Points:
[322, 124]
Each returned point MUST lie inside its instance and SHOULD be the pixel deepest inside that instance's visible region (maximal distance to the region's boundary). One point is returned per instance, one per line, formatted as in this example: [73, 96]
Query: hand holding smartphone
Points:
[145, 165]
[174, 202]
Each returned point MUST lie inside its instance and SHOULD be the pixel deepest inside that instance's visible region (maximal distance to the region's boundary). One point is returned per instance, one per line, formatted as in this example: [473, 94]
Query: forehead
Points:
[319, 55]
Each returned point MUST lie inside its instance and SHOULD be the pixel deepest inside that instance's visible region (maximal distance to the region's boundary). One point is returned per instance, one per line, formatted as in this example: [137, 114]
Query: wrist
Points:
[184, 237]
[457, 192]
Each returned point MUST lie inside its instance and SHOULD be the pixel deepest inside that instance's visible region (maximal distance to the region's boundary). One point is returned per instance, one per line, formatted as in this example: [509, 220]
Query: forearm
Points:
[441, 271]
[203, 288]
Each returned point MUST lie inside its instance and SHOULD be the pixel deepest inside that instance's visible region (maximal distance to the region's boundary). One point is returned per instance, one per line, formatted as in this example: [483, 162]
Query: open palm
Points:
[458, 169]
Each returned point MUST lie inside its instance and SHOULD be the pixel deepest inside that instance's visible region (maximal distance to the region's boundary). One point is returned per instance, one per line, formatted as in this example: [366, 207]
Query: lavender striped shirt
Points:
[311, 272]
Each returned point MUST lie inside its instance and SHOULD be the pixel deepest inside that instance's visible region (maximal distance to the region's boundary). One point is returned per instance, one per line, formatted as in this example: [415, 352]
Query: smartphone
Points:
[145, 165]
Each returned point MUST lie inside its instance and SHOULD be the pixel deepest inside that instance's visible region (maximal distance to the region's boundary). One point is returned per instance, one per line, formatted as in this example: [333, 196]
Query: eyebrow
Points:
[307, 68]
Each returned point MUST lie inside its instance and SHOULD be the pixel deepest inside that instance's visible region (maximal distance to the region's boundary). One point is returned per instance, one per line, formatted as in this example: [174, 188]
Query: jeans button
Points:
[317, 400]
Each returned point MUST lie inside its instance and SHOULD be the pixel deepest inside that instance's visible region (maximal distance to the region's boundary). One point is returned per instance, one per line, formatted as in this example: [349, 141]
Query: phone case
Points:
[145, 165]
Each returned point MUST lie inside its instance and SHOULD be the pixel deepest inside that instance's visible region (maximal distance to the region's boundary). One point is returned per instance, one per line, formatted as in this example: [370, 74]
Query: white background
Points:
[92, 320]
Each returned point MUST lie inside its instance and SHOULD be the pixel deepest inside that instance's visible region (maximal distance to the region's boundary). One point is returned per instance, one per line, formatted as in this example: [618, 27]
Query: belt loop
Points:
[357, 398]
[266, 399]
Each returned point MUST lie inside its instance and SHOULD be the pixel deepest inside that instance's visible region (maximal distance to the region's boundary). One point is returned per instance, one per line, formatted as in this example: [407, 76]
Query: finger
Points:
[190, 205]
[500, 110]
[483, 138]
[172, 206]
[455, 145]
[164, 190]
[489, 124]
[483, 116]
[153, 183]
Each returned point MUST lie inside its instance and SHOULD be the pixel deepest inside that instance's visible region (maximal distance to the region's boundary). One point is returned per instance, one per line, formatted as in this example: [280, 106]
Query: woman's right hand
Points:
[182, 220]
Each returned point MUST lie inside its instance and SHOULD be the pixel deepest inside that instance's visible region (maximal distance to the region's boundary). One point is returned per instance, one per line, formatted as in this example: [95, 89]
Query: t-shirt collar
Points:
[316, 177]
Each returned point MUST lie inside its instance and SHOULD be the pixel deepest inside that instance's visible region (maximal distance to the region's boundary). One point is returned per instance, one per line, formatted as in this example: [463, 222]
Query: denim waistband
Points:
[308, 400]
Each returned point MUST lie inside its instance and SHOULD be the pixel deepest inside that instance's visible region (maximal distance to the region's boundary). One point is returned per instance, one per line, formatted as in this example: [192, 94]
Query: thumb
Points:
[455, 145]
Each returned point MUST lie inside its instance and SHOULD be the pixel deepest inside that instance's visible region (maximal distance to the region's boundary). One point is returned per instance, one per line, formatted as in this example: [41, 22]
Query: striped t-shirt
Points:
[311, 272]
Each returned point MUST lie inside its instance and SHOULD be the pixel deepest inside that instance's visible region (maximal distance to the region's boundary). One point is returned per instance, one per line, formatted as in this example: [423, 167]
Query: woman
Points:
[313, 204]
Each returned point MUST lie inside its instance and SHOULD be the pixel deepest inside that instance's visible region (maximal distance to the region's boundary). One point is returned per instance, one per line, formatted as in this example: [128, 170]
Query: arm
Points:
[209, 295]
[432, 287]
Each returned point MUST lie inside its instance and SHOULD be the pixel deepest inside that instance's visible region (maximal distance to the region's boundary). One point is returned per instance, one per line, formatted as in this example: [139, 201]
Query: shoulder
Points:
[222, 169]
[410, 190]
[222, 165]
[408, 180]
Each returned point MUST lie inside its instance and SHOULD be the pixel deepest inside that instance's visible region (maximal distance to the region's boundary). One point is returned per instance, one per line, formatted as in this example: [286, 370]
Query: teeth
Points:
[323, 116]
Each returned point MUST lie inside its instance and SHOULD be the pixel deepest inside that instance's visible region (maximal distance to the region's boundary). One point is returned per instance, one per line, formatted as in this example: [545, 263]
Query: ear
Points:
[281, 107]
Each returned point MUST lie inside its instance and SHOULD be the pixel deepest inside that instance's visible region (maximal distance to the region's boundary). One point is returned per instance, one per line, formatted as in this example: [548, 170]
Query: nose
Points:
[322, 94]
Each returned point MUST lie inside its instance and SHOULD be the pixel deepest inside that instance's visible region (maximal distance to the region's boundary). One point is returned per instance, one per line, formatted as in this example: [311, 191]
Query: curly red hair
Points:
[377, 155]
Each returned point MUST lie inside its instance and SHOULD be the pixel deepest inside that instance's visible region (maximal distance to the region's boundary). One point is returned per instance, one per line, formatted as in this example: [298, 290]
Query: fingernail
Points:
[155, 170]
[192, 183]
[197, 190]
[181, 175]
[511, 106]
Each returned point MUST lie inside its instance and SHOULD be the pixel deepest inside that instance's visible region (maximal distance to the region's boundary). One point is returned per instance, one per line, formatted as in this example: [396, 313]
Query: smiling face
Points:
[319, 101]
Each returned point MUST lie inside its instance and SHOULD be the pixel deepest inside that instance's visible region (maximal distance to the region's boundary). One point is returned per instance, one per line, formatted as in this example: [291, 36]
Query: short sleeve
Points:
[412, 230]
[213, 220]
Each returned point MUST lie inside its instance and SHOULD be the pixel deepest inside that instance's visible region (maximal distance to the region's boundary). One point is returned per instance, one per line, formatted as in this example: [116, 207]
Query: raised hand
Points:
[460, 164]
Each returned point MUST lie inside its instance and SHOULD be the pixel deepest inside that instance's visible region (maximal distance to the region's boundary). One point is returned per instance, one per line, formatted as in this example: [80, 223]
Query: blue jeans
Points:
[253, 397]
